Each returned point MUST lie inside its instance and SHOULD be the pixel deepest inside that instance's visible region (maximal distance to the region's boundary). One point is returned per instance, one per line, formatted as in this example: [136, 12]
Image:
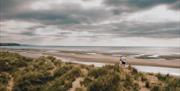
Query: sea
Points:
[106, 49]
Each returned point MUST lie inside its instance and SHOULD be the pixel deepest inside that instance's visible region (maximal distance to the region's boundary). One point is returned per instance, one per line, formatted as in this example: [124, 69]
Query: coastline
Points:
[93, 57]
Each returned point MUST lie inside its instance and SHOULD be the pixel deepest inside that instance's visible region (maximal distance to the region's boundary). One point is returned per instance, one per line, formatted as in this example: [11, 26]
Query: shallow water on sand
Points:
[162, 70]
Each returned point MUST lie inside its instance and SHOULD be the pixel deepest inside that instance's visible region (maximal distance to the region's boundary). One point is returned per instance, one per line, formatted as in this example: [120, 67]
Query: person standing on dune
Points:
[122, 61]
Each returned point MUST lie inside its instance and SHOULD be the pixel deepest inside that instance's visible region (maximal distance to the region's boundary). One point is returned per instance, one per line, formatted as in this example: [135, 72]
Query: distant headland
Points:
[10, 44]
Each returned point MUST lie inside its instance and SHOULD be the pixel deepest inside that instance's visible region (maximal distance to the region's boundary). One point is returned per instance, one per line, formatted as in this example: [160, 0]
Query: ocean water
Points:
[107, 49]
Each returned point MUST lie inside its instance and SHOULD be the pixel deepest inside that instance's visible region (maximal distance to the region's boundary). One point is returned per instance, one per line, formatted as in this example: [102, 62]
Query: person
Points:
[122, 61]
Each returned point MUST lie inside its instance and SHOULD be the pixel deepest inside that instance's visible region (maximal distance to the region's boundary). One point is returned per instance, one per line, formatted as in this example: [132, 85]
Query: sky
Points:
[91, 22]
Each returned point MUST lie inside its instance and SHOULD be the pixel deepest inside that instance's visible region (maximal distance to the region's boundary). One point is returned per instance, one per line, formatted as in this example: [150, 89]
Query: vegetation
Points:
[9, 44]
[18, 73]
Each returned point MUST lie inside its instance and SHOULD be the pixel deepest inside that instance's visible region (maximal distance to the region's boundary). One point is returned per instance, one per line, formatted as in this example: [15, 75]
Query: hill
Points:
[9, 44]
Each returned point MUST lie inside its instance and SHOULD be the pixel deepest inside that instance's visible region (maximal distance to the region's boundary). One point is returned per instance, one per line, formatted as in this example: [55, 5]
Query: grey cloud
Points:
[47, 17]
[161, 30]
[73, 13]
[176, 6]
[120, 6]
[8, 7]
[166, 30]
[138, 3]
[71, 16]
[62, 14]
[149, 3]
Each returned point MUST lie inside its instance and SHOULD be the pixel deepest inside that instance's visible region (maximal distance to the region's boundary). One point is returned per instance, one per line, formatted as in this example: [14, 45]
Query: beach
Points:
[94, 57]
[99, 59]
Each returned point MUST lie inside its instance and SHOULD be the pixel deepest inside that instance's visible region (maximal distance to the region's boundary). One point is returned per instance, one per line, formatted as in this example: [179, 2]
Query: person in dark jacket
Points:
[122, 61]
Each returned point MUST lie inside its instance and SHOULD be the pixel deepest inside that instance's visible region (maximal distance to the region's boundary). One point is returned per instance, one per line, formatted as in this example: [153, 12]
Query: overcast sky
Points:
[91, 22]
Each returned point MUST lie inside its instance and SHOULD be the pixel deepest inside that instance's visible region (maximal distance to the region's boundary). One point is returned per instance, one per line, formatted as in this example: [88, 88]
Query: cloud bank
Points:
[91, 22]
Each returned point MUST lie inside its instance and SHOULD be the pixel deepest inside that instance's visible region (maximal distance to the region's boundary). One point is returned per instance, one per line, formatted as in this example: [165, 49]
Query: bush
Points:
[32, 81]
[86, 81]
[51, 58]
[161, 77]
[4, 78]
[11, 61]
[143, 78]
[156, 88]
[172, 84]
[109, 82]
[147, 85]
[64, 82]
[62, 70]
[97, 72]
[116, 68]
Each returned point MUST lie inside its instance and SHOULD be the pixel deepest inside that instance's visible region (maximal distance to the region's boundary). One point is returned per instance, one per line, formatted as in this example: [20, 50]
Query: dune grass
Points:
[50, 74]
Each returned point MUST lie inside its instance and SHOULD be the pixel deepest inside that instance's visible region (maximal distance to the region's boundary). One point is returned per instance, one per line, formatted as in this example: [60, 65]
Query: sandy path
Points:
[76, 84]
[10, 84]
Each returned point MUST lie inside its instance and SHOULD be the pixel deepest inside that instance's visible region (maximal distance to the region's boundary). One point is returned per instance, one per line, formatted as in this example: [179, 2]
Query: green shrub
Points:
[116, 67]
[51, 58]
[62, 70]
[143, 78]
[11, 61]
[147, 84]
[86, 81]
[109, 82]
[156, 88]
[32, 81]
[97, 72]
[64, 82]
[161, 77]
[4, 78]
[172, 84]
